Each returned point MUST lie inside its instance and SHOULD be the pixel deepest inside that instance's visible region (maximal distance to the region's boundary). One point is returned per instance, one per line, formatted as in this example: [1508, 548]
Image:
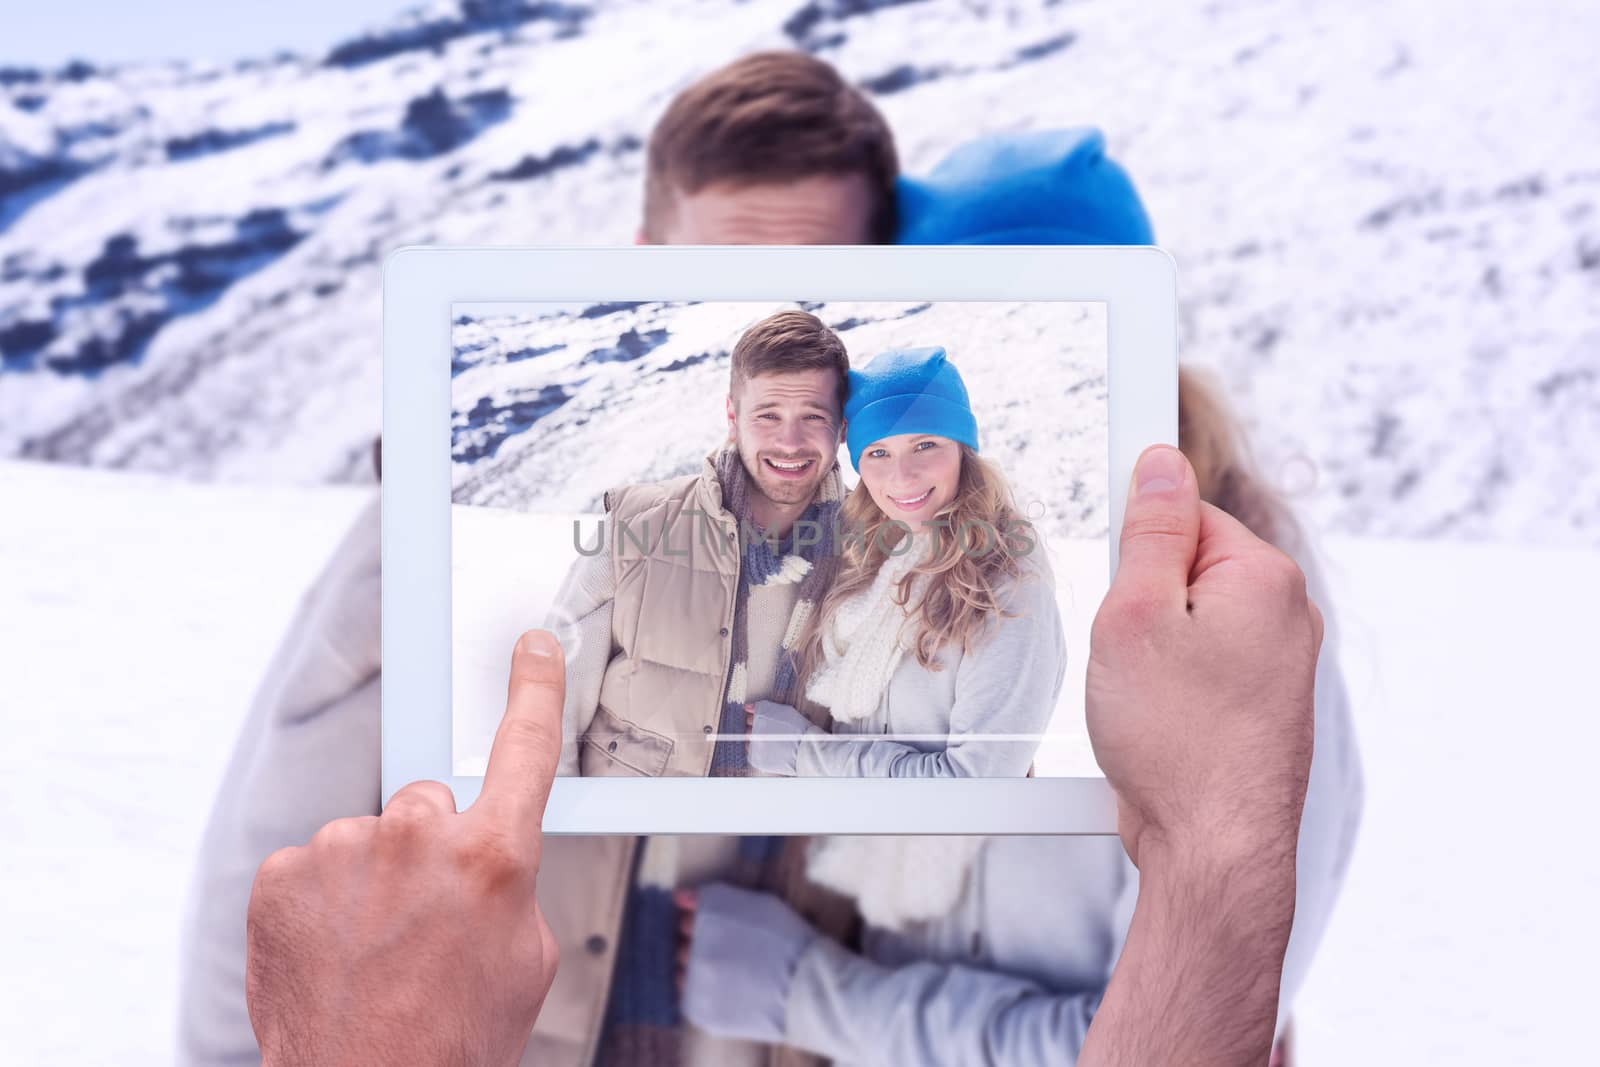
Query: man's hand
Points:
[1201, 668]
[414, 936]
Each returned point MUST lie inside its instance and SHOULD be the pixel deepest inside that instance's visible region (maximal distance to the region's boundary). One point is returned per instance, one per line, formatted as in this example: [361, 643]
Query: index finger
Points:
[527, 744]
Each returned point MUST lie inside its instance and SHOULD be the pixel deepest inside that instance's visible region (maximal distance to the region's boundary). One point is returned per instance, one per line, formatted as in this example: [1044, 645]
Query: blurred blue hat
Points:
[1050, 187]
[908, 390]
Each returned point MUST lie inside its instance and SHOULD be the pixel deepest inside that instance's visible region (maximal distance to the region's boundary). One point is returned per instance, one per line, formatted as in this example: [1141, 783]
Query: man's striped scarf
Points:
[642, 1023]
[769, 561]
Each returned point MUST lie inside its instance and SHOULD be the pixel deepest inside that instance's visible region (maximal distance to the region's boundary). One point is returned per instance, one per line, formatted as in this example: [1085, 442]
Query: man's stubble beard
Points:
[777, 490]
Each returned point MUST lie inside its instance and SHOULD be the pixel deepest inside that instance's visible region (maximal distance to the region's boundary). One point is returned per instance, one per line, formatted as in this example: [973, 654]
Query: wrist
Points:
[1204, 954]
[323, 1043]
[1236, 891]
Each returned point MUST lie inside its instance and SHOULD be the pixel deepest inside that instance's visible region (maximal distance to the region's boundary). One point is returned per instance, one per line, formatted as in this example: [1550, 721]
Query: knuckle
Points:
[1155, 524]
[420, 801]
[527, 732]
[491, 860]
[336, 836]
[1129, 610]
[427, 791]
[404, 829]
[550, 946]
[1106, 629]
[276, 870]
[1283, 575]
[550, 677]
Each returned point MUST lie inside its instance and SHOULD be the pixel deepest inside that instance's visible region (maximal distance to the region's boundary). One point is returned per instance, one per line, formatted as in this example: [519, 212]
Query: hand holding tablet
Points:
[1200, 706]
[1203, 659]
[387, 936]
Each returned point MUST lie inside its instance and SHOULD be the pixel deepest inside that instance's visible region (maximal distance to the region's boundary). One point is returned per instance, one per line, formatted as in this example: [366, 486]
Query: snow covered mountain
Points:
[1385, 219]
[552, 408]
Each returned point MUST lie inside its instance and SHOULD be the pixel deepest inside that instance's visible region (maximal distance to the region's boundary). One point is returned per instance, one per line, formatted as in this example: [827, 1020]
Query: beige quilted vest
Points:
[675, 557]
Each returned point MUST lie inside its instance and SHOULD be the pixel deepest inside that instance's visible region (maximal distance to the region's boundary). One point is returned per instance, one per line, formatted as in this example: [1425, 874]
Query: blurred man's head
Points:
[775, 148]
[786, 404]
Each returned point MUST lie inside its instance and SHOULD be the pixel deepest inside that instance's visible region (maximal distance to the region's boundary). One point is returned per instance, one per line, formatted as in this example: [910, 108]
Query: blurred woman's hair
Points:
[769, 118]
[1210, 435]
[965, 573]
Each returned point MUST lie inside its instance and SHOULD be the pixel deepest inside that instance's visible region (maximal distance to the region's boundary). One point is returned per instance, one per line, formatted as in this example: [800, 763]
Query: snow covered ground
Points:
[136, 617]
[1466, 934]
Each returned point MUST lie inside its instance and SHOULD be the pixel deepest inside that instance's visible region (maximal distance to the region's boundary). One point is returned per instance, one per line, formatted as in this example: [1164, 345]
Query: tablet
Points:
[822, 530]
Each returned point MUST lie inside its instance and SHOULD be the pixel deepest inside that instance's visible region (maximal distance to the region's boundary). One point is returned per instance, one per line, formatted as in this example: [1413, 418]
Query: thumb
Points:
[1160, 530]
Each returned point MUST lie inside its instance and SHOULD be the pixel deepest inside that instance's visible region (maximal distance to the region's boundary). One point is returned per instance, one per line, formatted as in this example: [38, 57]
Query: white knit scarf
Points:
[864, 640]
[895, 881]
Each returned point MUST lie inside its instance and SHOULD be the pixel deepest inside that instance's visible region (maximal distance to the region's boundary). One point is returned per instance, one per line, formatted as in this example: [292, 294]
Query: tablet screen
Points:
[761, 566]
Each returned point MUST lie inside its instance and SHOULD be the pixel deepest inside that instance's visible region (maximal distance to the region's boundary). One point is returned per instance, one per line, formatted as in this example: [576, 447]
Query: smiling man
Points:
[657, 678]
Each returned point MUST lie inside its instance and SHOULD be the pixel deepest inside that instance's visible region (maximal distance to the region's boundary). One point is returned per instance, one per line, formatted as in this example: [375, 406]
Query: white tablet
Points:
[822, 530]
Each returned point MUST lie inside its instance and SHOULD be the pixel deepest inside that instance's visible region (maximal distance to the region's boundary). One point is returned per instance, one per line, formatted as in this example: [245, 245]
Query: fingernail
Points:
[539, 643]
[1160, 470]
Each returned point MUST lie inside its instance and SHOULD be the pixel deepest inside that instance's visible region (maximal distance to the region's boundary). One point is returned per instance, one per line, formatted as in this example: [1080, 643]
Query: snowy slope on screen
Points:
[551, 410]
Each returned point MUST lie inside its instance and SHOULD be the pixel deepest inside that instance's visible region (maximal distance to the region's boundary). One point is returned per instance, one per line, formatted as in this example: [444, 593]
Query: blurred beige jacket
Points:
[307, 754]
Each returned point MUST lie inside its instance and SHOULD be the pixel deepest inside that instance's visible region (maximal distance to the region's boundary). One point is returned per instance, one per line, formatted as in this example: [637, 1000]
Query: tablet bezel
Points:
[420, 285]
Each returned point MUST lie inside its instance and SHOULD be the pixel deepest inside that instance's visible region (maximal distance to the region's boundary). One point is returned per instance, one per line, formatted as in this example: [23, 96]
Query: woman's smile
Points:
[912, 503]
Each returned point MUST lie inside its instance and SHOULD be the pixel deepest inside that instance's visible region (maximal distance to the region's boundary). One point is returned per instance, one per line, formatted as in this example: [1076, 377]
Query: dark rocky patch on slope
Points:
[815, 25]
[630, 346]
[900, 78]
[612, 307]
[1047, 47]
[688, 361]
[185, 280]
[488, 425]
[25, 180]
[21, 340]
[208, 142]
[475, 16]
[432, 125]
[558, 158]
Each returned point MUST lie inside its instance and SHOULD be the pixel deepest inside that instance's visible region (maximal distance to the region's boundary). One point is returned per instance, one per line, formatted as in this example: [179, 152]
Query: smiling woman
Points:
[936, 562]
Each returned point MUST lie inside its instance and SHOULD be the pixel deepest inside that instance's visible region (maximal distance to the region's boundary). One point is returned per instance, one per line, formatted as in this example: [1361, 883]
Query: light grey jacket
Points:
[1014, 973]
[306, 754]
[980, 715]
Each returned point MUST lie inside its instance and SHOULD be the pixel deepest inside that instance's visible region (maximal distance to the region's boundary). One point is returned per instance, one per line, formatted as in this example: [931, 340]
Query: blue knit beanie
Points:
[1040, 187]
[909, 390]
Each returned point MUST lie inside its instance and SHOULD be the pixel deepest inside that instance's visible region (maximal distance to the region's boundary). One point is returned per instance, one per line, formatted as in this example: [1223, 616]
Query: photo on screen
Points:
[759, 566]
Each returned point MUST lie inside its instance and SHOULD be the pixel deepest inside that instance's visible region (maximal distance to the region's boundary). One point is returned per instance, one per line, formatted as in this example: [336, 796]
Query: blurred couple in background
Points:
[705, 950]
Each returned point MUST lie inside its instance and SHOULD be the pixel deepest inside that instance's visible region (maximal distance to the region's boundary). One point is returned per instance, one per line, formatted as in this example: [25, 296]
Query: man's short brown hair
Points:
[787, 342]
[769, 117]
